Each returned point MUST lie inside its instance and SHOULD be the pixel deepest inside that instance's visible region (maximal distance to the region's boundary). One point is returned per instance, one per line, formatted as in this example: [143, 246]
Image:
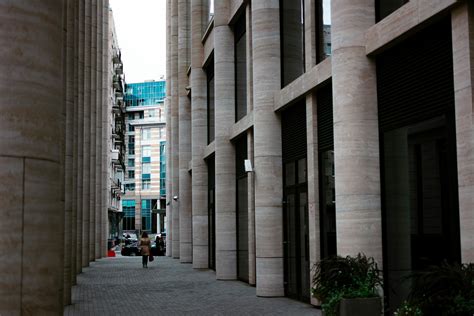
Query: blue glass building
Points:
[145, 93]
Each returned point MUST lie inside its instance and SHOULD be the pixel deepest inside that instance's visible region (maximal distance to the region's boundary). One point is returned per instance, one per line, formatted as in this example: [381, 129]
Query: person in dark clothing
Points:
[145, 244]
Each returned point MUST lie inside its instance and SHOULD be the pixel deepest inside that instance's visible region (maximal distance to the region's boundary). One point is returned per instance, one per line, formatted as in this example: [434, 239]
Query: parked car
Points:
[131, 249]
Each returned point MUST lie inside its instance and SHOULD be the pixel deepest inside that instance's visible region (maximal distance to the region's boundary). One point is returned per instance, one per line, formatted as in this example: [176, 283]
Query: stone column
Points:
[313, 184]
[463, 58]
[185, 217]
[250, 151]
[267, 151]
[168, 130]
[68, 73]
[199, 141]
[174, 129]
[80, 133]
[93, 142]
[356, 140]
[312, 143]
[106, 132]
[31, 277]
[226, 225]
[99, 139]
[74, 147]
[86, 135]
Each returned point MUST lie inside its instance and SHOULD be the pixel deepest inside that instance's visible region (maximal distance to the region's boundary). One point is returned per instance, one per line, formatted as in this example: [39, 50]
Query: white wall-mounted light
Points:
[248, 165]
[175, 197]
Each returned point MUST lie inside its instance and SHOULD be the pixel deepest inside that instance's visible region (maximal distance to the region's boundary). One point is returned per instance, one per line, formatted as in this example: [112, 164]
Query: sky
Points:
[141, 34]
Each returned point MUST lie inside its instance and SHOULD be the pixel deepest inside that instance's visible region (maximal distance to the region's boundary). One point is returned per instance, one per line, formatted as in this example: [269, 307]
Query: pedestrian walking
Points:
[145, 244]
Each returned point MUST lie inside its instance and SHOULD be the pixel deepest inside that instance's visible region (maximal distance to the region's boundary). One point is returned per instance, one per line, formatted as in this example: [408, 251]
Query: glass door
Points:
[296, 232]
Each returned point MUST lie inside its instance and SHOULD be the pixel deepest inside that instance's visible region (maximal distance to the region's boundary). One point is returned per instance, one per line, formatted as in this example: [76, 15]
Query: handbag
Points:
[151, 258]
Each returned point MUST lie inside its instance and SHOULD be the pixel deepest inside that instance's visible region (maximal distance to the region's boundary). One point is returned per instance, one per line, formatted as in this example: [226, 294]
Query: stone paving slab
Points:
[120, 286]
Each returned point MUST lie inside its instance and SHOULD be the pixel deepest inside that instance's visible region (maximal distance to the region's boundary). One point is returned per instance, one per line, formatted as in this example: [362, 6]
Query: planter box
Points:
[361, 307]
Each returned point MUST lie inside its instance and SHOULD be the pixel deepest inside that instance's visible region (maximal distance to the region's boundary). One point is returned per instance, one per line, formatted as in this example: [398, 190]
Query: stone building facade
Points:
[60, 122]
[357, 143]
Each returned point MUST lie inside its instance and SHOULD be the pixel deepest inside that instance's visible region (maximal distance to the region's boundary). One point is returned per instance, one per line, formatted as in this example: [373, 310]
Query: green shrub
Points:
[339, 277]
[447, 289]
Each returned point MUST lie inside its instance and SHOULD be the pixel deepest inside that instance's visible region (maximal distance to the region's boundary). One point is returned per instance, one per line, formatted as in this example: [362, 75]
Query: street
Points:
[120, 286]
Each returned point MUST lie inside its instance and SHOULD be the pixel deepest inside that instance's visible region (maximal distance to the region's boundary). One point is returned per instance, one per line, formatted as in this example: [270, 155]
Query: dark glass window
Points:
[131, 128]
[240, 68]
[327, 188]
[242, 210]
[292, 40]
[131, 174]
[211, 185]
[323, 32]
[210, 103]
[386, 7]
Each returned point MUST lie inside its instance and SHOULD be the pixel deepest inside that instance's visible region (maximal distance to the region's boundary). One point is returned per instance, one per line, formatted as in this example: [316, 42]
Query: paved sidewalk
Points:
[120, 286]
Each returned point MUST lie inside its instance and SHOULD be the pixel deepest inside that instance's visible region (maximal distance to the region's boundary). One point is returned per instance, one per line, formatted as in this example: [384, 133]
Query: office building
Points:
[145, 191]
[361, 143]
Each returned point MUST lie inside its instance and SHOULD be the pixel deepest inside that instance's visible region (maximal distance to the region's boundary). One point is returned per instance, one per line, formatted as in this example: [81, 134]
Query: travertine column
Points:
[185, 218]
[250, 147]
[93, 110]
[106, 132]
[312, 142]
[463, 57]
[267, 137]
[356, 141]
[68, 82]
[74, 147]
[313, 183]
[99, 144]
[224, 72]
[86, 135]
[199, 141]
[80, 134]
[31, 41]
[169, 199]
[174, 129]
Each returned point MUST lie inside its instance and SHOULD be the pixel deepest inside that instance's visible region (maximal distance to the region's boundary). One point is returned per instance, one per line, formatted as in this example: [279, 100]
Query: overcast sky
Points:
[141, 33]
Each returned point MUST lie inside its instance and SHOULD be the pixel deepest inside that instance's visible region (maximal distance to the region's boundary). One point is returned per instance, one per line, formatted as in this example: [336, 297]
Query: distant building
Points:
[115, 133]
[144, 183]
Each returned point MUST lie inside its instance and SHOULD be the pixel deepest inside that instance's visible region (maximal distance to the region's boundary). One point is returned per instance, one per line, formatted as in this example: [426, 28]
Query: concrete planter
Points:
[360, 307]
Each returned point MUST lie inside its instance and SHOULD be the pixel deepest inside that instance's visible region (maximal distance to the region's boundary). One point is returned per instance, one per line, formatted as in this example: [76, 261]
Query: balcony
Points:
[119, 69]
[114, 154]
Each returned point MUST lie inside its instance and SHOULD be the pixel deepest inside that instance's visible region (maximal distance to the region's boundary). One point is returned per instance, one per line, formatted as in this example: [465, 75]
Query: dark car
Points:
[131, 249]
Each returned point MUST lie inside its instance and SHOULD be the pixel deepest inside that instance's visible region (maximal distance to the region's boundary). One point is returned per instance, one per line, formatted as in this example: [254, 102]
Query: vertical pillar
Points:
[31, 277]
[68, 73]
[250, 146]
[86, 135]
[168, 130]
[226, 225]
[74, 148]
[99, 143]
[93, 110]
[185, 220]
[106, 132]
[356, 140]
[199, 141]
[312, 142]
[267, 151]
[174, 129]
[80, 133]
[463, 58]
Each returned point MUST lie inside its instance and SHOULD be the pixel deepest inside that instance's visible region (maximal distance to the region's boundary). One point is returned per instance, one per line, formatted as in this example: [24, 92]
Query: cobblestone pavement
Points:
[120, 286]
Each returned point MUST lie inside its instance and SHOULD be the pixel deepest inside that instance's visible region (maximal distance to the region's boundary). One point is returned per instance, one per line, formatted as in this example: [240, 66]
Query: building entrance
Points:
[295, 200]
[418, 158]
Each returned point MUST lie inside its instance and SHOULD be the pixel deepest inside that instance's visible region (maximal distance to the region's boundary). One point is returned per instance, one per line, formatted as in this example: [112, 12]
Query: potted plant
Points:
[447, 289]
[348, 286]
